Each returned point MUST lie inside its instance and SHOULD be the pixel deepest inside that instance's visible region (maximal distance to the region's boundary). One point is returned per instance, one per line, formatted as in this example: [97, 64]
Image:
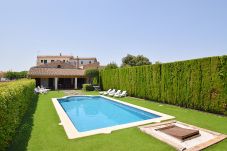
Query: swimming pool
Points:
[88, 115]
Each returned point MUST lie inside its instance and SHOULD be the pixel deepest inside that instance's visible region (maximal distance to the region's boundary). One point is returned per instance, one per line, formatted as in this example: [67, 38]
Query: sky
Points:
[162, 30]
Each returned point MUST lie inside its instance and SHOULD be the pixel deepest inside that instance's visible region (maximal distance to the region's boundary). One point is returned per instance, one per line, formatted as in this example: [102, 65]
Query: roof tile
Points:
[55, 72]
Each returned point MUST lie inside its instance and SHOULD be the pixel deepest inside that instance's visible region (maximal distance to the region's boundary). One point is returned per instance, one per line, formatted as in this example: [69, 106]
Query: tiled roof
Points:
[90, 66]
[33, 72]
[55, 64]
[54, 56]
[86, 58]
[57, 68]
[82, 58]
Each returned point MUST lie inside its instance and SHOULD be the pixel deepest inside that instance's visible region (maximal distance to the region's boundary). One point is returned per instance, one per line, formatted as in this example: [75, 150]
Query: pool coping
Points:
[73, 133]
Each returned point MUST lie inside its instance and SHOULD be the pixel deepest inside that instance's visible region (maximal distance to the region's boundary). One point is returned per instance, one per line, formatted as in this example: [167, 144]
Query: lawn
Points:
[40, 129]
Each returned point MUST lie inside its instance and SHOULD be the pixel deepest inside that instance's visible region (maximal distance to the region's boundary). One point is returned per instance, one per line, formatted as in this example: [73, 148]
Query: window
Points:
[59, 66]
[41, 61]
[45, 61]
[63, 60]
[81, 62]
[90, 62]
[52, 60]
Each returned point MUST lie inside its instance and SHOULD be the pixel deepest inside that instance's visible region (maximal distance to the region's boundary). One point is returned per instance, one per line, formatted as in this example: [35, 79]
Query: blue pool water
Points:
[94, 112]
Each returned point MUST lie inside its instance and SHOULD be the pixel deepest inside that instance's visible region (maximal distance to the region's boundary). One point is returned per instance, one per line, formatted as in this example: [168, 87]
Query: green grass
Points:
[40, 131]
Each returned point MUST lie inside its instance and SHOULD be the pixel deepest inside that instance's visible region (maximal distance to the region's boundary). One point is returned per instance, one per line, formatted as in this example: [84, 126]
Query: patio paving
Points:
[72, 92]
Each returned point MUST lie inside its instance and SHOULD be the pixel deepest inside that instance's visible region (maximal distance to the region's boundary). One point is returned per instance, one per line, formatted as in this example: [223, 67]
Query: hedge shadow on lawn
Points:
[23, 133]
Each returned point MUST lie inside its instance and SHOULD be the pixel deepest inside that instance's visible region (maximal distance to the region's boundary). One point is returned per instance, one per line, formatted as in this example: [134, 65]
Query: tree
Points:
[111, 65]
[131, 60]
[15, 75]
[91, 74]
[141, 60]
[157, 62]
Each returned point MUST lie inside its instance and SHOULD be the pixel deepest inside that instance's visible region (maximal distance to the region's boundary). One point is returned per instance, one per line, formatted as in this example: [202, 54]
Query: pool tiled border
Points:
[72, 132]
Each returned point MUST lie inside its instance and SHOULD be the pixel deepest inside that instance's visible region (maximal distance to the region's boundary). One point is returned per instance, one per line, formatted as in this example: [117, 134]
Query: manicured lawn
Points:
[40, 131]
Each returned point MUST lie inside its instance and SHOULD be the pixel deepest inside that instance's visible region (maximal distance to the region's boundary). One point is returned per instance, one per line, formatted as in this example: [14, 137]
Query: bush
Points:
[95, 81]
[88, 87]
[199, 84]
[15, 98]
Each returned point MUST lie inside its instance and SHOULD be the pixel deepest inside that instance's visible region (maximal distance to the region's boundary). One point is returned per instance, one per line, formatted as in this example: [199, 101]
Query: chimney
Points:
[77, 62]
[60, 54]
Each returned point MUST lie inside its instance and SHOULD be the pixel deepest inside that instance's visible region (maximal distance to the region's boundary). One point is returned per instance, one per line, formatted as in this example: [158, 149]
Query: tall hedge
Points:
[199, 84]
[15, 98]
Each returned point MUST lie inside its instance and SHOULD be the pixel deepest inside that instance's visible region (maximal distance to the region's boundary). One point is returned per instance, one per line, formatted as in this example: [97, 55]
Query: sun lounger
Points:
[36, 90]
[112, 91]
[115, 93]
[101, 93]
[41, 90]
[123, 94]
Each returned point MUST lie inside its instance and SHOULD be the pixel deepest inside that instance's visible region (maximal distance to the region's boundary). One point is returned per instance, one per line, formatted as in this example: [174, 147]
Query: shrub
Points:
[88, 87]
[199, 84]
[95, 81]
[15, 98]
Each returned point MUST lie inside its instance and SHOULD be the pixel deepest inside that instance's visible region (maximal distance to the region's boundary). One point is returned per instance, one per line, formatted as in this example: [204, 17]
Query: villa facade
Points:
[62, 72]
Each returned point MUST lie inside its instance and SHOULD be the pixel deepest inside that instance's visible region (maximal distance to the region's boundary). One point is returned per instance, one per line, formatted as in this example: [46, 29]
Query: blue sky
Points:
[162, 30]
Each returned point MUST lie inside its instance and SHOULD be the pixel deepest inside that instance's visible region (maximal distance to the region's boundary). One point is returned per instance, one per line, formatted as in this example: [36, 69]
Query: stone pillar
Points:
[55, 83]
[75, 83]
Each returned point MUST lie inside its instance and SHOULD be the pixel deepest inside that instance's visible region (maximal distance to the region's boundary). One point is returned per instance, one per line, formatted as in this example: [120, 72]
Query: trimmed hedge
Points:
[15, 98]
[198, 84]
[88, 87]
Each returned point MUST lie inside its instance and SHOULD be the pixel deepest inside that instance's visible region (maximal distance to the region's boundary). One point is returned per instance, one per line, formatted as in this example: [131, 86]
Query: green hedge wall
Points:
[15, 98]
[199, 84]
